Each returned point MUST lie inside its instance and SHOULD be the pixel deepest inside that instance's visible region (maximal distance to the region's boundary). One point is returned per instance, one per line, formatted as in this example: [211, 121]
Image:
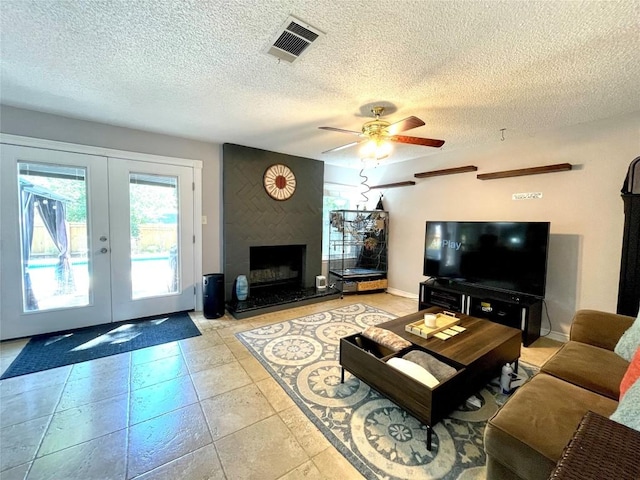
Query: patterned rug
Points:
[379, 438]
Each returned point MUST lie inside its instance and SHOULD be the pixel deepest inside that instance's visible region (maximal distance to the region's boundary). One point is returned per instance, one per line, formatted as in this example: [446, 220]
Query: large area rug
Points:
[74, 346]
[379, 438]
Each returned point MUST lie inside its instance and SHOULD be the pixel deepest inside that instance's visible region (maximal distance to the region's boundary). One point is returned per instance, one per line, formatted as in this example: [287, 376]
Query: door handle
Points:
[103, 238]
[104, 250]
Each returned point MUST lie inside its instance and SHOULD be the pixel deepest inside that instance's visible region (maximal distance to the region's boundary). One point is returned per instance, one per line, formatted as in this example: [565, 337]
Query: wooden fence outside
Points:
[152, 238]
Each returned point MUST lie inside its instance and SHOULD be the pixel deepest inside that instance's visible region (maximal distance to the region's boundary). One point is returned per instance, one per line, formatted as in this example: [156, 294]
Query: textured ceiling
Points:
[196, 69]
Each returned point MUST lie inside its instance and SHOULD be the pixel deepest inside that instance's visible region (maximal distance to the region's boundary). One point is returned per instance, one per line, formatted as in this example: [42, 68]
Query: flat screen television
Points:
[507, 256]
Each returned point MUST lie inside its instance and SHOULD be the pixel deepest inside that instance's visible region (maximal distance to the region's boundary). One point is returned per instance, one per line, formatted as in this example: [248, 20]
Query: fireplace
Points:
[277, 280]
[276, 268]
[283, 238]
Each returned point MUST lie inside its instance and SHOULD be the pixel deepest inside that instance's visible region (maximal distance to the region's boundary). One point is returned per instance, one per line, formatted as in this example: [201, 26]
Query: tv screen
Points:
[509, 256]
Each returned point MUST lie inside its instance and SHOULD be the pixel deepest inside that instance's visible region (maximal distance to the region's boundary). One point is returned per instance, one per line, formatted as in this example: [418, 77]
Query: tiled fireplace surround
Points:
[253, 219]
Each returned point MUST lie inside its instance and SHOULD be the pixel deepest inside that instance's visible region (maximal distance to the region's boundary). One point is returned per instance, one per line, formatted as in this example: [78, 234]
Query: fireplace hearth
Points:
[276, 280]
[272, 301]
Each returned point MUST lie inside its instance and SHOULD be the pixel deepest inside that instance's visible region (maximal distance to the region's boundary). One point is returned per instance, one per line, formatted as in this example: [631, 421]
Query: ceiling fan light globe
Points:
[368, 149]
[376, 148]
[383, 149]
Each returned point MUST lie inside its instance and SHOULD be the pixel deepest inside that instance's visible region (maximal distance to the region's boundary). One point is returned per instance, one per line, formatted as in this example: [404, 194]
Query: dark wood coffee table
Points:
[477, 354]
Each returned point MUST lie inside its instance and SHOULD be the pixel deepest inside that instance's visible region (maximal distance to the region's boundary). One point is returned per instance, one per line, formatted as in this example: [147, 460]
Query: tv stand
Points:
[511, 309]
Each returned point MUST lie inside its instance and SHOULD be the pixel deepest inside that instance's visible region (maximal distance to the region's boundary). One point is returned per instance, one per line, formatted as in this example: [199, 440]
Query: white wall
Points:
[344, 176]
[583, 206]
[28, 123]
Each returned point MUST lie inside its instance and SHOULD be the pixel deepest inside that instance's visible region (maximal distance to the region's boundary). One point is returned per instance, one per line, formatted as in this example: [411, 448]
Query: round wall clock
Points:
[279, 182]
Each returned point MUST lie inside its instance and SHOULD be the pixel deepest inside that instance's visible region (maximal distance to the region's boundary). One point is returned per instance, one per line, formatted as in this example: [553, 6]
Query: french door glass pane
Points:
[53, 232]
[153, 203]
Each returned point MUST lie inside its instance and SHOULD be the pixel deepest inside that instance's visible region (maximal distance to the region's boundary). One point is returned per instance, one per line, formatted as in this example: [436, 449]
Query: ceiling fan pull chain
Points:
[364, 192]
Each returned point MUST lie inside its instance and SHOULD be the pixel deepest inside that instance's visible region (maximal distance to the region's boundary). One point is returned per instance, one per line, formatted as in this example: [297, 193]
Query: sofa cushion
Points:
[593, 368]
[530, 431]
[600, 329]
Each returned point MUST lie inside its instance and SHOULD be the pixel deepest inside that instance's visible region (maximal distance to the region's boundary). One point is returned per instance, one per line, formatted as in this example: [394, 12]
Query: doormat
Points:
[47, 351]
[379, 438]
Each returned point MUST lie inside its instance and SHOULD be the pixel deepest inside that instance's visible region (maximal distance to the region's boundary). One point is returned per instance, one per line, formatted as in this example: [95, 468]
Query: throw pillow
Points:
[632, 374]
[431, 364]
[629, 341]
[413, 370]
[387, 338]
[628, 411]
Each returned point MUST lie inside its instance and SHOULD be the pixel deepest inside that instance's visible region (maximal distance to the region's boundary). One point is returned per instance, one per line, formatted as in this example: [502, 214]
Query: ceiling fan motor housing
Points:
[375, 127]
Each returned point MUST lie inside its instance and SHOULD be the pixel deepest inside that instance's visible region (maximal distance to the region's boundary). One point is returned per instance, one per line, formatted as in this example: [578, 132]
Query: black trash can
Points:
[213, 295]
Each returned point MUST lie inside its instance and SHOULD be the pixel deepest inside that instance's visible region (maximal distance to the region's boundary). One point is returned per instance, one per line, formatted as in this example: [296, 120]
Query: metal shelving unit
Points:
[358, 248]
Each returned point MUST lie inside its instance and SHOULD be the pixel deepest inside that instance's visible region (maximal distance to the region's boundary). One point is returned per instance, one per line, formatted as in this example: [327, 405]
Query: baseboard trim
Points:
[401, 293]
[557, 336]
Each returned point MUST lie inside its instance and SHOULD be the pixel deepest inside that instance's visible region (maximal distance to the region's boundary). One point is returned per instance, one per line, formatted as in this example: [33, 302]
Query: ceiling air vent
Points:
[292, 40]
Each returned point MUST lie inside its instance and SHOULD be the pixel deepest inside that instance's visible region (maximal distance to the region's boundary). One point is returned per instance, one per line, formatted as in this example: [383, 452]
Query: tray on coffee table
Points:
[444, 321]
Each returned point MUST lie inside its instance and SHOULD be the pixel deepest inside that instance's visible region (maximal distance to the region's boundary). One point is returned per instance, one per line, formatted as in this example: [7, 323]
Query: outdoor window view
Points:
[56, 264]
[336, 197]
[154, 235]
[53, 203]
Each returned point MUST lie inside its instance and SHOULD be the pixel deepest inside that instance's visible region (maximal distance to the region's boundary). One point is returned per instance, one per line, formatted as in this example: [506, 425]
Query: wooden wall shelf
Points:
[446, 171]
[558, 167]
[397, 184]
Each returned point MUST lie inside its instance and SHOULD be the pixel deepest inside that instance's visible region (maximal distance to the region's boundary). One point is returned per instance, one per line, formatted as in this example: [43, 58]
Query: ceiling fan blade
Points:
[333, 129]
[406, 124]
[343, 146]
[427, 142]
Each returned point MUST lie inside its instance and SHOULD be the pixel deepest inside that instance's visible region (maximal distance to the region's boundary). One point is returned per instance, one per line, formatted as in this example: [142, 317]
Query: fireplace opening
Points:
[276, 268]
[277, 280]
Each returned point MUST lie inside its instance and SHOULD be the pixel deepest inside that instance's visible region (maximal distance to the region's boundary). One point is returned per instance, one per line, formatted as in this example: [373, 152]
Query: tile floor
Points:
[201, 408]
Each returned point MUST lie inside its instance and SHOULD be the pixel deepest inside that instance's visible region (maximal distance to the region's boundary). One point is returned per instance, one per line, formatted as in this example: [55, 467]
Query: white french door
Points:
[88, 239]
[152, 266]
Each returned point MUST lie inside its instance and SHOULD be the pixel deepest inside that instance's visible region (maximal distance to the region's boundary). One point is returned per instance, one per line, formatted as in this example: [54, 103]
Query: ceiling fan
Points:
[377, 135]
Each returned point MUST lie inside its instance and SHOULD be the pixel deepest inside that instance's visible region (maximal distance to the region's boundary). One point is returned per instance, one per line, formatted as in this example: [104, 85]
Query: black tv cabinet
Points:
[513, 310]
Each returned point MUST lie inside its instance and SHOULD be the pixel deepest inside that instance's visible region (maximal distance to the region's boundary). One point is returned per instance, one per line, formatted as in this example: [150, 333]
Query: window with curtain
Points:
[336, 197]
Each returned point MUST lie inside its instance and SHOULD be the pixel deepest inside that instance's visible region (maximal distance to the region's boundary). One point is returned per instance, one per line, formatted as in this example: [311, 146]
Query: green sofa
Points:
[526, 437]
